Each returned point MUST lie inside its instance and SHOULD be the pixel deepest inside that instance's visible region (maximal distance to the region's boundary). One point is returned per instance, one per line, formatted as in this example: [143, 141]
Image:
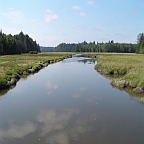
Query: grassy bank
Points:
[13, 66]
[130, 66]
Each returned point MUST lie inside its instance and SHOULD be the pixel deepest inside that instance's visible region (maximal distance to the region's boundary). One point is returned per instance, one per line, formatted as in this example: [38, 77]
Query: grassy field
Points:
[130, 66]
[12, 66]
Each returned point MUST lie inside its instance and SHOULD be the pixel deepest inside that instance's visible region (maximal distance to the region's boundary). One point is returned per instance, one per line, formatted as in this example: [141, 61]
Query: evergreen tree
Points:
[1, 45]
[140, 42]
[17, 44]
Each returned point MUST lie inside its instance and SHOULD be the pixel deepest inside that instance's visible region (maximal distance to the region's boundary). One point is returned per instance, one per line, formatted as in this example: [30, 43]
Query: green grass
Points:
[131, 66]
[10, 65]
[3, 79]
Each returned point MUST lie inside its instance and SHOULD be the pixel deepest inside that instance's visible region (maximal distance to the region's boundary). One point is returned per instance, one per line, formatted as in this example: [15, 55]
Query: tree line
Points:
[17, 44]
[97, 47]
[46, 49]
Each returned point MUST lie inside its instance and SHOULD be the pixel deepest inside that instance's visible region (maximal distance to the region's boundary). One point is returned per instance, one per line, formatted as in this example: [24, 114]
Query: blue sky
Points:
[52, 22]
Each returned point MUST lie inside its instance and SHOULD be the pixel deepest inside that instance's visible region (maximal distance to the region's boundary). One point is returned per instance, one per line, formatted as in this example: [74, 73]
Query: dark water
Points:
[69, 103]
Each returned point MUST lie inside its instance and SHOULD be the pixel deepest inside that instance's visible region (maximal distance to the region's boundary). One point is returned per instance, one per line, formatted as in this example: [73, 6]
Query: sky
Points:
[51, 22]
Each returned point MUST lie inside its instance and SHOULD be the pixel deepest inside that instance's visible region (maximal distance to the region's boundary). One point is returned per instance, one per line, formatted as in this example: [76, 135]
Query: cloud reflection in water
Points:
[51, 87]
[53, 121]
[17, 131]
[54, 127]
[60, 128]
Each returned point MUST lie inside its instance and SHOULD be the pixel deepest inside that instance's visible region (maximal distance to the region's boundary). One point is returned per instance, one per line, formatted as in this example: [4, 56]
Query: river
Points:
[69, 102]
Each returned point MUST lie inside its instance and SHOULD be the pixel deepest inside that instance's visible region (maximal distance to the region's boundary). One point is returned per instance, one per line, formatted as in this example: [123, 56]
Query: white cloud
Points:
[83, 14]
[76, 7]
[90, 3]
[51, 17]
[12, 16]
[49, 11]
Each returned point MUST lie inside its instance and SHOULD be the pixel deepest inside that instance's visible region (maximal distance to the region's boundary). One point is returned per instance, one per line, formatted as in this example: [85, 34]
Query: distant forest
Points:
[93, 47]
[47, 49]
[21, 43]
[17, 44]
[98, 47]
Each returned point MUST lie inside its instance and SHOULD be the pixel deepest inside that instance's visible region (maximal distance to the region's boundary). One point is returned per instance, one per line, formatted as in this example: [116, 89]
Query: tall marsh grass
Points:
[11, 65]
[131, 66]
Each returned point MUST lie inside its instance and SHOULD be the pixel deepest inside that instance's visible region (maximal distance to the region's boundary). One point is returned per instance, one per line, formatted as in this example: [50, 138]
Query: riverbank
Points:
[129, 66]
[13, 67]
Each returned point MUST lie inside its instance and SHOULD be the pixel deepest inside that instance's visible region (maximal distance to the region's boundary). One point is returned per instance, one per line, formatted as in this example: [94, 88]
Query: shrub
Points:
[33, 52]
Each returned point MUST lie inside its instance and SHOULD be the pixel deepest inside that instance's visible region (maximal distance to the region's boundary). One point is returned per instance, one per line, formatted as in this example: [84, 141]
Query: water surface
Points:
[69, 103]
